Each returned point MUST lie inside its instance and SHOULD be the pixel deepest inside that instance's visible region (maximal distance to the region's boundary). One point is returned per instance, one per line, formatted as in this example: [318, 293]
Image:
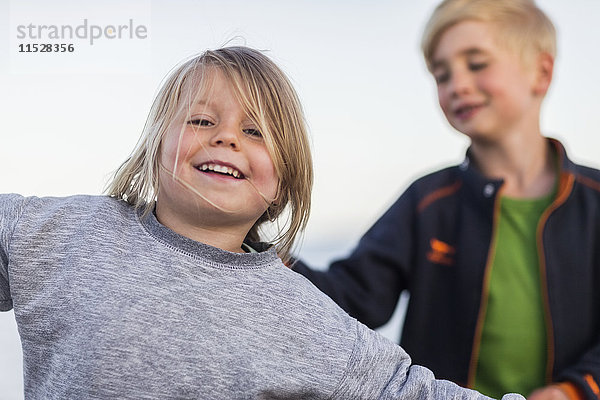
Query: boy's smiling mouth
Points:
[213, 167]
[467, 110]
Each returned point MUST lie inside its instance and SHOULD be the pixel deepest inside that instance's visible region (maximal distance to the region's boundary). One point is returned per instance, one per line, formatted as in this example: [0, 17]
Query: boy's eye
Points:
[477, 66]
[252, 132]
[441, 78]
[200, 122]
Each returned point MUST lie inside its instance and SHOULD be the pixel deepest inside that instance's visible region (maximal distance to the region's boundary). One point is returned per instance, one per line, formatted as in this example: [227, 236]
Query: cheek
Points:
[271, 179]
[166, 160]
[167, 149]
[166, 186]
[173, 149]
[268, 176]
[494, 81]
[497, 90]
[443, 99]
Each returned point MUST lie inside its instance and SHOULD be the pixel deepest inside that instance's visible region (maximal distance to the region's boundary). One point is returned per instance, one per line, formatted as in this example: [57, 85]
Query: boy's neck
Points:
[229, 238]
[525, 163]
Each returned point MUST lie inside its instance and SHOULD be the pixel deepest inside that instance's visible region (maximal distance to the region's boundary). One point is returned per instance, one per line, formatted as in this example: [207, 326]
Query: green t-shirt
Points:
[512, 356]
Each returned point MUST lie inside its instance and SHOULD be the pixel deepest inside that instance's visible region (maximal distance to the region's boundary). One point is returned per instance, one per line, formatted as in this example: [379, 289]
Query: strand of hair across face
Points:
[191, 188]
[267, 201]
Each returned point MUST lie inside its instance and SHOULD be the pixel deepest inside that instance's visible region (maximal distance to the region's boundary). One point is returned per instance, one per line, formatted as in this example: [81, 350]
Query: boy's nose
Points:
[460, 83]
[225, 136]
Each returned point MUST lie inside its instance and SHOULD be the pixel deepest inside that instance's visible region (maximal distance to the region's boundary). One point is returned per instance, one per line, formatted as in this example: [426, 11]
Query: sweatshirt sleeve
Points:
[368, 283]
[380, 369]
[10, 209]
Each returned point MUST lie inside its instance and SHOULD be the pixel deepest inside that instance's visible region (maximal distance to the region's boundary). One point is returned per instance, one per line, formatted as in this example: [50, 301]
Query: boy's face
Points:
[224, 173]
[484, 89]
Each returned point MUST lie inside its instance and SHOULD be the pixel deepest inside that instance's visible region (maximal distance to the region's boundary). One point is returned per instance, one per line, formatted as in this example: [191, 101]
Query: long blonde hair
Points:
[269, 99]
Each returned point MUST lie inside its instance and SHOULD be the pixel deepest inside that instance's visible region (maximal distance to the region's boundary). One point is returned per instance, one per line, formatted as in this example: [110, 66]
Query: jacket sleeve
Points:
[10, 208]
[585, 374]
[582, 367]
[380, 369]
[368, 283]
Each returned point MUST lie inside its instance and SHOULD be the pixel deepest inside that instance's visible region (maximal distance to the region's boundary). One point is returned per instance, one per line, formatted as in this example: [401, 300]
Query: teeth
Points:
[221, 169]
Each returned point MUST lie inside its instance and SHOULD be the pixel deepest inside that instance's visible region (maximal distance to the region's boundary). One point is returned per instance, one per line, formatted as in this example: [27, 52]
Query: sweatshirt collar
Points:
[208, 254]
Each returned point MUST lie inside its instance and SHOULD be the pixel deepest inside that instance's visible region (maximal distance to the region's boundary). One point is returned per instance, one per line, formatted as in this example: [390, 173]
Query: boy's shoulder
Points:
[80, 201]
[39, 209]
[442, 179]
[587, 171]
[587, 176]
[440, 176]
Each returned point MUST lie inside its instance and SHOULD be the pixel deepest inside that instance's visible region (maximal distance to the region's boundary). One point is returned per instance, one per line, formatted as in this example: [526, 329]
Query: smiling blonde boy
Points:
[500, 254]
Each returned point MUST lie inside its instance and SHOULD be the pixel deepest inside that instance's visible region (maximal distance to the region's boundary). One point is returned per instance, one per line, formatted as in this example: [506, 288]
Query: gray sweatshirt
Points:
[112, 305]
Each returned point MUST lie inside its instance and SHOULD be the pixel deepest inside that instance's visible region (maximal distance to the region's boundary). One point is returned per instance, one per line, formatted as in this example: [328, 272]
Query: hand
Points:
[548, 393]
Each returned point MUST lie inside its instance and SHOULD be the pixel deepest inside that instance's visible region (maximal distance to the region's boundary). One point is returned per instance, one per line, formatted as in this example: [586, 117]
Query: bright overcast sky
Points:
[69, 119]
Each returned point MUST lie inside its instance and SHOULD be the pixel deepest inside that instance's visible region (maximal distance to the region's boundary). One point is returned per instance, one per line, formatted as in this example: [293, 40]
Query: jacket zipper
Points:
[484, 294]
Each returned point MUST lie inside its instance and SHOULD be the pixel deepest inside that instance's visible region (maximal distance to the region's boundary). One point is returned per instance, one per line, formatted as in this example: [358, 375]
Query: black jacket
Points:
[435, 243]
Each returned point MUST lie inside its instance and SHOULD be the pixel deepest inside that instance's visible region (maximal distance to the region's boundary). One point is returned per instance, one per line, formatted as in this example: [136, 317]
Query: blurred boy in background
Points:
[500, 254]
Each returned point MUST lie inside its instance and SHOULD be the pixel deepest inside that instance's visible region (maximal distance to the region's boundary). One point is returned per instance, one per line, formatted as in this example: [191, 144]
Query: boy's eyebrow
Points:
[473, 51]
[467, 52]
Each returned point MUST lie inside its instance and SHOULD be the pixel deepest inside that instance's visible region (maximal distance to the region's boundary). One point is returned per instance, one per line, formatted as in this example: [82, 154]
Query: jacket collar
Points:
[486, 189]
[566, 173]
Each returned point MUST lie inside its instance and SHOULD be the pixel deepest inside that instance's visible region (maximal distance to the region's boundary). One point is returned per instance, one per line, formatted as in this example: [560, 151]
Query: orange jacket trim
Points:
[588, 182]
[564, 189]
[589, 379]
[438, 194]
[572, 391]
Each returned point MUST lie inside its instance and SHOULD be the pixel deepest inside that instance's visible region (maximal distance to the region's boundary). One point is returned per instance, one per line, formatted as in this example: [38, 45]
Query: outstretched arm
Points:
[582, 380]
[379, 369]
[10, 207]
[368, 283]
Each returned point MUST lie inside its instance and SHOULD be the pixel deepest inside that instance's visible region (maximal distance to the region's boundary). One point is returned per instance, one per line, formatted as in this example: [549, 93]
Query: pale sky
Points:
[69, 119]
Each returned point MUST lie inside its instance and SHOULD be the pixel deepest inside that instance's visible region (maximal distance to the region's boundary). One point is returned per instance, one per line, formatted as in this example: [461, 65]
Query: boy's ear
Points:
[544, 67]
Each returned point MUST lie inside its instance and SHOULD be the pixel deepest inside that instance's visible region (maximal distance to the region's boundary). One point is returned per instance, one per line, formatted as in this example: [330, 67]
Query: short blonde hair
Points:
[523, 27]
[268, 98]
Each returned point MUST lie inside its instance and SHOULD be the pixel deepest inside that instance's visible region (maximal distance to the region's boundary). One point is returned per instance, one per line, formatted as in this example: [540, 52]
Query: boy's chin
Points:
[475, 135]
[228, 215]
[483, 139]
